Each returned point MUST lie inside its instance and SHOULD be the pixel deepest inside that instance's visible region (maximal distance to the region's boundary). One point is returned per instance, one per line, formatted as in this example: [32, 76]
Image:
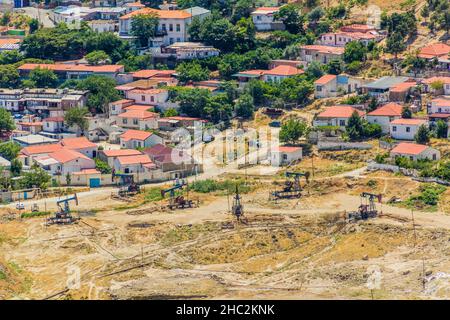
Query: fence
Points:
[343, 146]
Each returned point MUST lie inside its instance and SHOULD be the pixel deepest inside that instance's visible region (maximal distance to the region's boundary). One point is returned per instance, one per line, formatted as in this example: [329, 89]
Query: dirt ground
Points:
[288, 249]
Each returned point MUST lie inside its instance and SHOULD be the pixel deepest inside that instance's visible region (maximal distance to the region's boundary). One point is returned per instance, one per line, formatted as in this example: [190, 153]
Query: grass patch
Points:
[428, 198]
[2, 275]
[209, 185]
[34, 214]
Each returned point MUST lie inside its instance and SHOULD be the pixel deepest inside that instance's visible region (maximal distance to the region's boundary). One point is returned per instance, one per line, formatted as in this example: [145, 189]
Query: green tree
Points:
[292, 130]
[97, 57]
[68, 179]
[10, 57]
[9, 150]
[16, 167]
[37, 177]
[423, 135]
[355, 51]
[77, 117]
[102, 166]
[171, 112]
[406, 112]
[245, 106]
[395, 44]
[33, 25]
[192, 71]
[334, 67]
[9, 76]
[6, 121]
[291, 18]
[242, 9]
[355, 128]
[43, 77]
[441, 129]
[373, 104]
[102, 91]
[144, 27]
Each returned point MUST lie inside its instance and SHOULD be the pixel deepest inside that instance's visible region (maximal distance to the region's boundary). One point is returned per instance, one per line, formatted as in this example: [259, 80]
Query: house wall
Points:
[403, 132]
[383, 121]
[340, 122]
[133, 143]
[75, 165]
[443, 109]
[283, 158]
[148, 99]
[429, 153]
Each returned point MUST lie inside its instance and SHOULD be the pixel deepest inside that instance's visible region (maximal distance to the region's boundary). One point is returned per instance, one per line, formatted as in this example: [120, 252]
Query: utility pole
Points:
[414, 227]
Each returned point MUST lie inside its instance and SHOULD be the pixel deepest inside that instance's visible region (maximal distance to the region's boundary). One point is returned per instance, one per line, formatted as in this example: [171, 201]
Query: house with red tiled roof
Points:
[414, 151]
[172, 25]
[152, 96]
[330, 85]
[152, 73]
[132, 139]
[264, 19]
[341, 38]
[278, 73]
[435, 50]
[285, 155]
[80, 144]
[384, 115]
[32, 127]
[430, 82]
[439, 105]
[73, 71]
[134, 164]
[110, 155]
[65, 161]
[320, 53]
[336, 116]
[171, 159]
[405, 129]
[116, 107]
[138, 119]
[27, 154]
[357, 27]
[53, 124]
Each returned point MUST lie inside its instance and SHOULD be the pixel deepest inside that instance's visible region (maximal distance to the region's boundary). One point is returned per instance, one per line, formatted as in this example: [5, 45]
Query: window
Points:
[171, 40]
[178, 39]
[152, 98]
[178, 27]
[143, 98]
[258, 17]
[135, 121]
[125, 121]
[319, 88]
[163, 26]
[170, 27]
[408, 129]
[284, 156]
[341, 123]
[434, 156]
[394, 128]
[411, 158]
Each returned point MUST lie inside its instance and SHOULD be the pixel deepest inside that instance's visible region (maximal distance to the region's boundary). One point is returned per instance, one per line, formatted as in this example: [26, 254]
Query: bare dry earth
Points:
[291, 249]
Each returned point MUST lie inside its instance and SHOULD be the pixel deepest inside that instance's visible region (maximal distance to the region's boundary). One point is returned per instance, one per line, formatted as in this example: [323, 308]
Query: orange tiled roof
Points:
[284, 70]
[77, 143]
[153, 73]
[409, 148]
[142, 159]
[121, 152]
[286, 149]
[138, 114]
[339, 112]
[388, 110]
[142, 107]
[72, 67]
[9, 41]
[87, 171]
[162, 14]
[135, 135]
[325, 79]
[402, 87]
[408, 121]
[122, 101]
[445, 80]
[66, 155]
[44, 148]
[434, 50]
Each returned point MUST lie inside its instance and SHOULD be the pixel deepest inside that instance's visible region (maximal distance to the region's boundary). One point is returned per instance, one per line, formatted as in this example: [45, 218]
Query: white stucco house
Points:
[65, 161]
[264, 20]
[284, 155]
[336, 116]
[414, 151]
[405, 129]
[384, 115]
[133, 139]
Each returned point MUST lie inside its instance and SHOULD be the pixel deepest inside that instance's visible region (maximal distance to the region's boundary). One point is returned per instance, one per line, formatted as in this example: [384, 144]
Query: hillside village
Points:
[179, 96]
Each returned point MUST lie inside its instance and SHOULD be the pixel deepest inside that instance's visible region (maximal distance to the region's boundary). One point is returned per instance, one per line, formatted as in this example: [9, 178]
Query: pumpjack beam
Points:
[63, 215]
[292, 188]
[367, 209]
